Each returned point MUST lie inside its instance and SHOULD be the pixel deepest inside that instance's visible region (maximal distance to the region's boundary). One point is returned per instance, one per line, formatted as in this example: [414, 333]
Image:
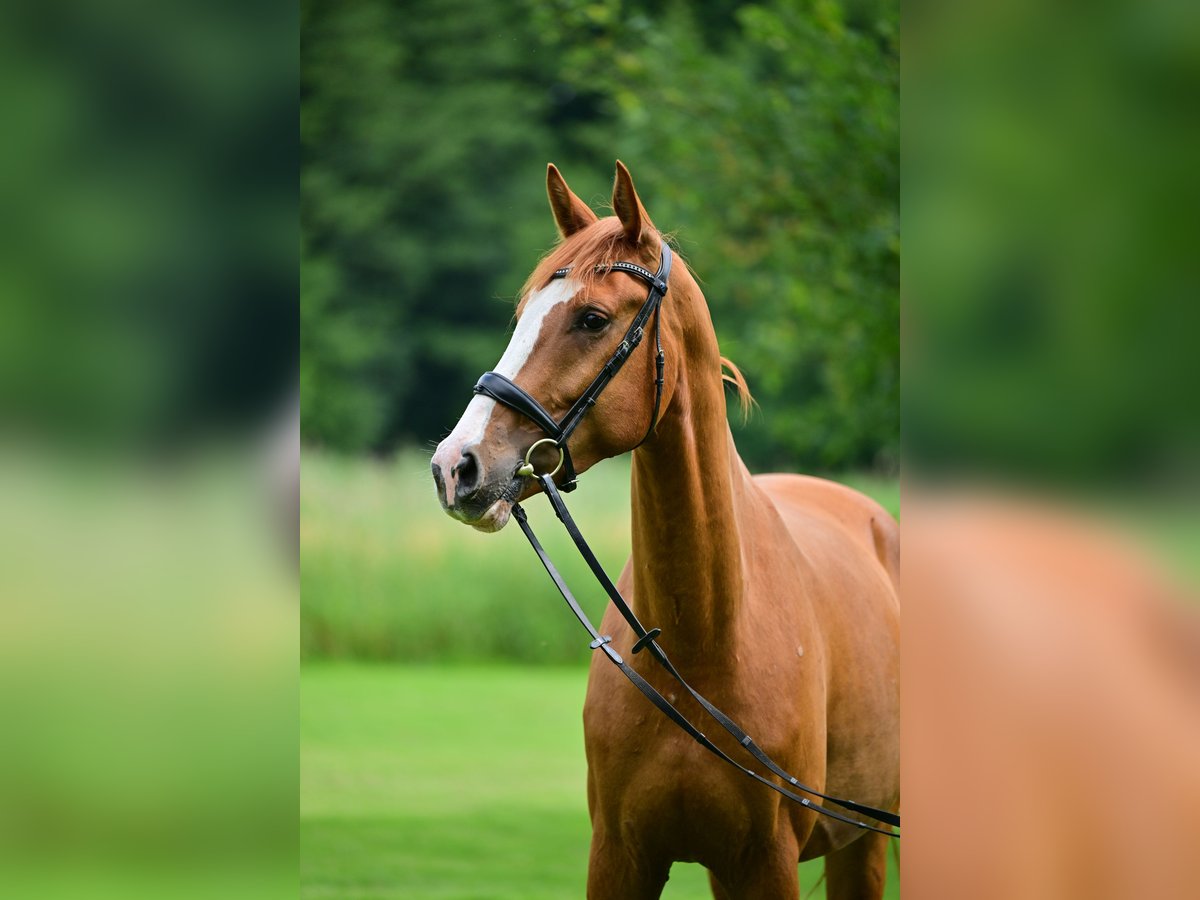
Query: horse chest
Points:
[648, 778]
[667, 794]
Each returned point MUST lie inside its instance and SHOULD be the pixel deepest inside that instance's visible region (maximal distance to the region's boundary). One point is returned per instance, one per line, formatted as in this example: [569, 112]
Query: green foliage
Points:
[384, 574]
[453, 783]
[765, 136]
[423, 139]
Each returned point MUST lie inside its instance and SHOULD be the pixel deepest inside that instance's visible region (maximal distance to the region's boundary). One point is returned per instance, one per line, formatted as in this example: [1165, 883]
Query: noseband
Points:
[504, 390]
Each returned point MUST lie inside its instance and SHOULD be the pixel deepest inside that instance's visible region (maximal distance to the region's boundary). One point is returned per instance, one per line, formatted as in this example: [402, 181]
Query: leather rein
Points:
[503, 390]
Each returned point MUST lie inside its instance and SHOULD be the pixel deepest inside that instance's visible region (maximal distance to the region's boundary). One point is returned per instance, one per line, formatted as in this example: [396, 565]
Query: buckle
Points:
[604, 642]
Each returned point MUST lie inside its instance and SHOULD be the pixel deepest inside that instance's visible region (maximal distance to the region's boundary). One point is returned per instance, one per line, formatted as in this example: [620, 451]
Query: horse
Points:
[777, 594]
[1050, 704]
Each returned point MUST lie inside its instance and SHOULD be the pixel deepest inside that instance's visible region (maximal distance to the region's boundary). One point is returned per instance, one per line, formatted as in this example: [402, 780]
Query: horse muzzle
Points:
[474, 491]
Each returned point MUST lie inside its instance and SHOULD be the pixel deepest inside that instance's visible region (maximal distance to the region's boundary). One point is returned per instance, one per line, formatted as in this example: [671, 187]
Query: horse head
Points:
[568, 326]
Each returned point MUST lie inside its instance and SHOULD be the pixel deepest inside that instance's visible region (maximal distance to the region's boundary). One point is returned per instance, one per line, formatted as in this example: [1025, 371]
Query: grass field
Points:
[451, 783]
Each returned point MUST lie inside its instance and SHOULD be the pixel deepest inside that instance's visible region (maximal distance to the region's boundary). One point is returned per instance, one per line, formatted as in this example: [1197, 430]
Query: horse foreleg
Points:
[616, 874]
[859, 870]
[774, 883]
[773, 878]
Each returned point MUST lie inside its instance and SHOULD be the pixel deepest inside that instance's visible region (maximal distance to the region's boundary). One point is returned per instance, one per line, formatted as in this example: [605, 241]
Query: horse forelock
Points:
[600, 244]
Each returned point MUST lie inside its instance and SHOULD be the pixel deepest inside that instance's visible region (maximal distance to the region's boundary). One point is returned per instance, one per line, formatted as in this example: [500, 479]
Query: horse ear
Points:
[628, 207]
[570, 213]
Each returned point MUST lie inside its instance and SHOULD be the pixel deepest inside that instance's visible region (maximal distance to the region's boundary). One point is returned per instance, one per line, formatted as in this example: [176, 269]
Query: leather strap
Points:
[647, 640]
[501, 388]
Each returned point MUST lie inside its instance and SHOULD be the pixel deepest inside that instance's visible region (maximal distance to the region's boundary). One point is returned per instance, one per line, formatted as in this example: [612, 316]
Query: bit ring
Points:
[527, 469]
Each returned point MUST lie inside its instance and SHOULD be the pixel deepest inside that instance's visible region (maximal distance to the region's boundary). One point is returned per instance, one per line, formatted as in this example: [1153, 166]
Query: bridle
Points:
[503, 390]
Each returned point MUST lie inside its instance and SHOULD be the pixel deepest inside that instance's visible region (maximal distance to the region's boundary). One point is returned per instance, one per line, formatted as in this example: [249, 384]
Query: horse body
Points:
[776, 599]
[776, 595]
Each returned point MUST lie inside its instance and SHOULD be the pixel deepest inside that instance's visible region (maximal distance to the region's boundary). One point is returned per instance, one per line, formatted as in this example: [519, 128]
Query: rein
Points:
[505, 391]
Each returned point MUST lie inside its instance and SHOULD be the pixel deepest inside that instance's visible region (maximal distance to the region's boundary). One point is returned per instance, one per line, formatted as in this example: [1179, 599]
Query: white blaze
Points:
[530, 326]
[473, 424]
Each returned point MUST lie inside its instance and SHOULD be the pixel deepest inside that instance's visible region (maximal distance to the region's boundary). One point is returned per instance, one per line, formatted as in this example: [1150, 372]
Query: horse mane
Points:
[601, 243]
[735, 377]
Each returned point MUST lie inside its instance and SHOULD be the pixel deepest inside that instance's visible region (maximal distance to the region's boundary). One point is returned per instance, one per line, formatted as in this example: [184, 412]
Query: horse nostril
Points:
[437, 478]
[467, 472]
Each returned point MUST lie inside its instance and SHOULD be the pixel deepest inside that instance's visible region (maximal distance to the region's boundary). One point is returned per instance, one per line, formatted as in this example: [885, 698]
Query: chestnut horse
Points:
[777, 594]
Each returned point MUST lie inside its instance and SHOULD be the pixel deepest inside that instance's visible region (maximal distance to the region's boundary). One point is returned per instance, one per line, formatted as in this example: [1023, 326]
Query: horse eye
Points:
[592, 321]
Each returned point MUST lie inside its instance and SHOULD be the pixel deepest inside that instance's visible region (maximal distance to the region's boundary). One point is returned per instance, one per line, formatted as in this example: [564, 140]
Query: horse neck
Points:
[689, 494]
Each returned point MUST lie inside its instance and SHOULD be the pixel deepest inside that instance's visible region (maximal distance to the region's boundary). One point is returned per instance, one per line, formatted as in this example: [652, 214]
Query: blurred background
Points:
[148, 470]
[442, 681]
[1051, 425]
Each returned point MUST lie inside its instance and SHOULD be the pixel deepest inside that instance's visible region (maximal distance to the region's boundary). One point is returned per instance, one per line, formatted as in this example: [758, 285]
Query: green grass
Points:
[451, 783]
[386, 575]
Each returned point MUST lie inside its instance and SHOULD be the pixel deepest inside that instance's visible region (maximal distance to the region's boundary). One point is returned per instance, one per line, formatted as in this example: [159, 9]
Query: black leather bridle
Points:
[502, 389]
